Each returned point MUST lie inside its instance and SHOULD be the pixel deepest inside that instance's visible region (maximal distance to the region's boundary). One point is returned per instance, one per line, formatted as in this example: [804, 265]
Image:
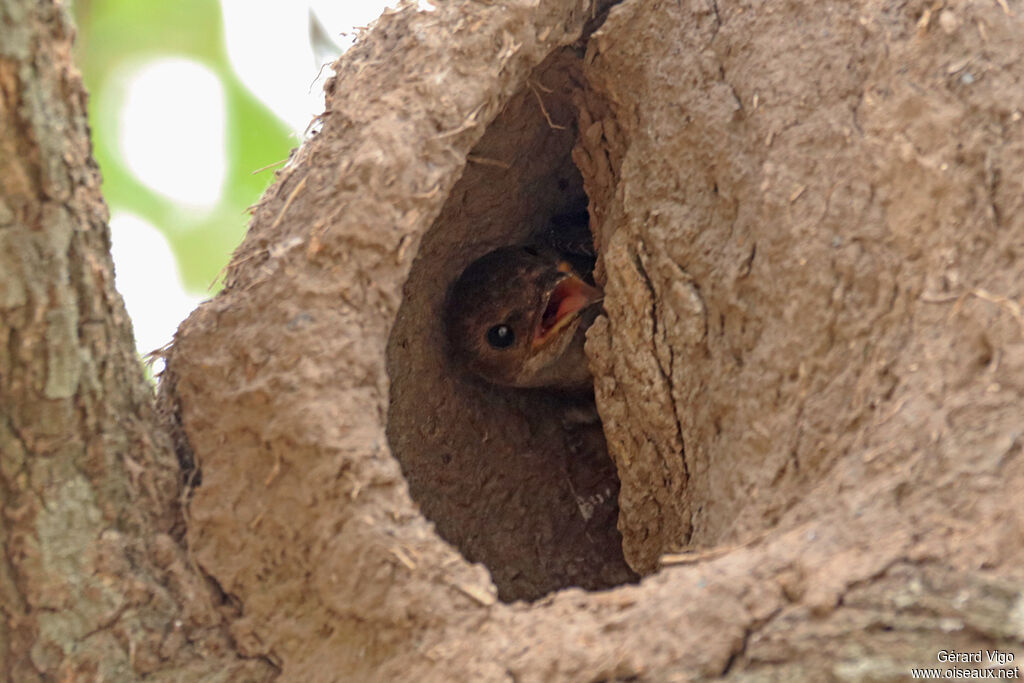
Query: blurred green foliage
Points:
[113, 34]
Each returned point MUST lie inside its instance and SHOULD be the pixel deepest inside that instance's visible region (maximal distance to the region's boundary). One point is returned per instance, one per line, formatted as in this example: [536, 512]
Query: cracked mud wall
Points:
[802, 212]
[811, 369]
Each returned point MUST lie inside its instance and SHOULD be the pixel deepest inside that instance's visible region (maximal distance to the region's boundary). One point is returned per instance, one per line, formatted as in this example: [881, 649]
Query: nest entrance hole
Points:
[510, 477]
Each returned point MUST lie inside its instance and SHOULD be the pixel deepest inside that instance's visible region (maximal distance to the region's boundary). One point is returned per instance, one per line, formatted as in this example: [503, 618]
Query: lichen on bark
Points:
[88, 483]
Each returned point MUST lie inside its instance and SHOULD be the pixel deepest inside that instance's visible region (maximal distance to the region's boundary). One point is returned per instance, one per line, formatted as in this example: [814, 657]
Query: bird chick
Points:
[517, 317]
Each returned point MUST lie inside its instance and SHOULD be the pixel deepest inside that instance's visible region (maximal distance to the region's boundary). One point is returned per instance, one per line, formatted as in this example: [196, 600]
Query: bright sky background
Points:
[171, 134]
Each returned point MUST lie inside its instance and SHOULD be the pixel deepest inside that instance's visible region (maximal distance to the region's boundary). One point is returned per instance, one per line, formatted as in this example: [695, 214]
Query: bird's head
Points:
[514, 318]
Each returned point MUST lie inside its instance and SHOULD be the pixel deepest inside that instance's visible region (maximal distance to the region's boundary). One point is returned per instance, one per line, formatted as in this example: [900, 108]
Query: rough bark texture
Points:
[93, 584]
[810, 219]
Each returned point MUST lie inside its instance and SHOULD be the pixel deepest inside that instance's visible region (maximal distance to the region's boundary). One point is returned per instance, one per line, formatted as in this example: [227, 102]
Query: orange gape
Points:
[517, 316]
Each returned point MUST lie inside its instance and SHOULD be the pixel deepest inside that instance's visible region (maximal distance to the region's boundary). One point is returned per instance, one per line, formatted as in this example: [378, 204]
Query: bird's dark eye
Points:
[501, 336]
[531, 251]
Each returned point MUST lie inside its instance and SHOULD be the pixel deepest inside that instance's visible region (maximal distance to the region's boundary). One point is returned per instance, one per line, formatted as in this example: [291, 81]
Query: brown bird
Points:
[517, 317]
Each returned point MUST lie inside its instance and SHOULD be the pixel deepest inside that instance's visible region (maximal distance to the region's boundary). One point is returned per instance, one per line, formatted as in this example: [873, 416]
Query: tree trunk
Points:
[94, 581]
[810, 368]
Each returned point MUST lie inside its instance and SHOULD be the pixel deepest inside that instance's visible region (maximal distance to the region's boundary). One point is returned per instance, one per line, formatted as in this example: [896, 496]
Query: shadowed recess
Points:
[504, 473]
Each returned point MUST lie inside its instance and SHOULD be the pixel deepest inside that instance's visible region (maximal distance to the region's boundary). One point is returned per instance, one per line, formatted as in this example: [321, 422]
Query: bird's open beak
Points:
[570, 296]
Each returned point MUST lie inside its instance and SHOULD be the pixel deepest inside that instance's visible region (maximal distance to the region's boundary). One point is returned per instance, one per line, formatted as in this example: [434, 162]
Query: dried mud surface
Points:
[805, 261]
[810, 371]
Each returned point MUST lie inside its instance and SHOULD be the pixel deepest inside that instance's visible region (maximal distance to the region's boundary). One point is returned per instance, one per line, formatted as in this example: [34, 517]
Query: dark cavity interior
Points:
[518, 480]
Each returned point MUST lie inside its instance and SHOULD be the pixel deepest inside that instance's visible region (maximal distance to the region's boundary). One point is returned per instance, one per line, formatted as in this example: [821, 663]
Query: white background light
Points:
[172, 134]
[147, 276]
[269, 47]
[171, 130]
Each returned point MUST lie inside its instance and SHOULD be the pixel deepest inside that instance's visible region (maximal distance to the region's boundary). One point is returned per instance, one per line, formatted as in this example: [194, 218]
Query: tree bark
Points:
[94, 582]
